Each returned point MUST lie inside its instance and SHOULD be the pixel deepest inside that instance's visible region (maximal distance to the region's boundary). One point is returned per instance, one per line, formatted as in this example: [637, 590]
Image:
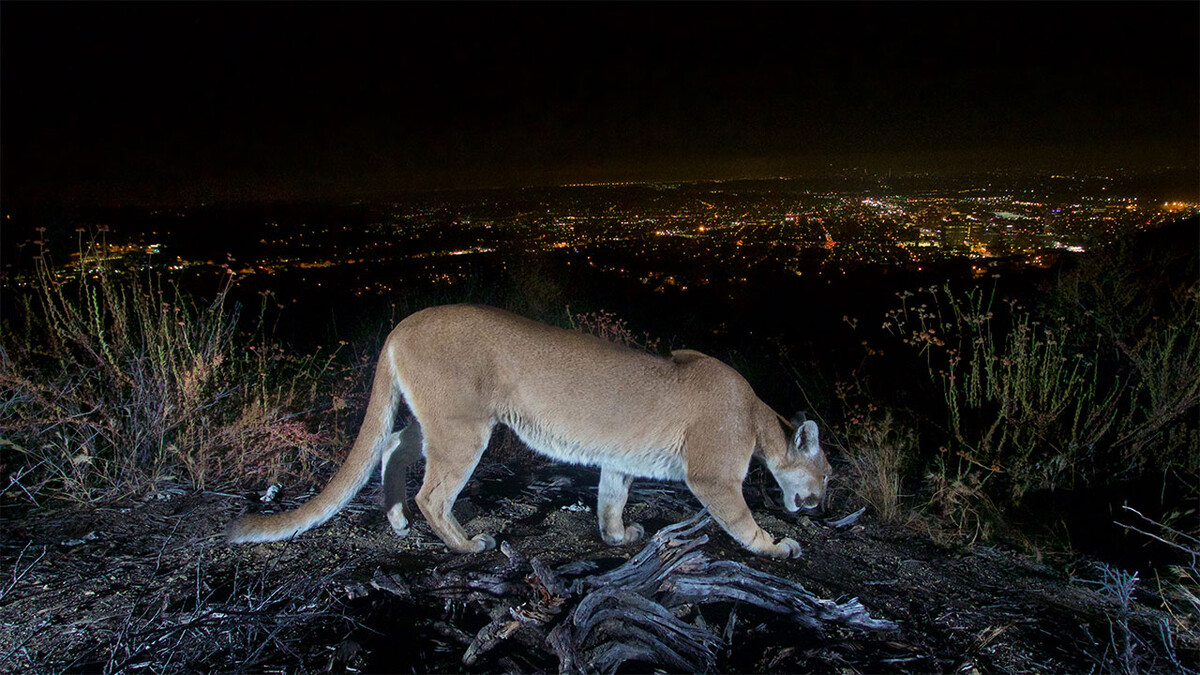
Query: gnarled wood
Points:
[631, 613]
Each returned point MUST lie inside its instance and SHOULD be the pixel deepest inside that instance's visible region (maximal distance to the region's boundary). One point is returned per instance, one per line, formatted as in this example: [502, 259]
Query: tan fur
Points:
[462, 369]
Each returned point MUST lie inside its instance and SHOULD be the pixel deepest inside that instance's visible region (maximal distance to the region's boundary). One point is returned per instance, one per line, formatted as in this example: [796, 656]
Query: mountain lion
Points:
[462, 369]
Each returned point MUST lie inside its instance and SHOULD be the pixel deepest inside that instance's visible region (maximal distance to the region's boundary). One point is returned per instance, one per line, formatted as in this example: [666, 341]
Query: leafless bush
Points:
[1142, 641]
[608, 326]
[120, 380]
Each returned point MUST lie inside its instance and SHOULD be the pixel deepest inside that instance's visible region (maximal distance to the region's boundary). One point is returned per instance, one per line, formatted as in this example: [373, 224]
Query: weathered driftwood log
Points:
[631, 613]
[665, 552]
[611, 625]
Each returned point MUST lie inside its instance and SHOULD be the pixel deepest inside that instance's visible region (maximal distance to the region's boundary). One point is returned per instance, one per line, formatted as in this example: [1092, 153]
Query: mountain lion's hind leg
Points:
[610, 503]
[404, 448]
[450, 458]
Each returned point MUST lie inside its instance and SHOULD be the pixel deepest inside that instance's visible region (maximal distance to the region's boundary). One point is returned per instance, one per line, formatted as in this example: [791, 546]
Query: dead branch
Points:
[631, 613]
[1189, 545]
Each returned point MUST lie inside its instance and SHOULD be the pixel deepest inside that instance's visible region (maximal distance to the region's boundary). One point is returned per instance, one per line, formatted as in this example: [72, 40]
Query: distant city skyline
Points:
[176, 104]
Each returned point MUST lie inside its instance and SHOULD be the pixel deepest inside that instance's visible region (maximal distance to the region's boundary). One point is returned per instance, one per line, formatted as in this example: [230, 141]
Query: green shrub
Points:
[1039, 403]
[1018, 402]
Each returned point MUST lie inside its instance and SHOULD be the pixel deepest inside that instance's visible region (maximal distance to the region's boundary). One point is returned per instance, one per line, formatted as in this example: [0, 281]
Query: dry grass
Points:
[119, 380]
[608, 326]
[960, 509]
[878, 452]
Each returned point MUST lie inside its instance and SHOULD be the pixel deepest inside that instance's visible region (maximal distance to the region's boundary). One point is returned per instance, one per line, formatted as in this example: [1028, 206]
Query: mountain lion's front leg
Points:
[450, 458]
[610, 503]
[723, 498]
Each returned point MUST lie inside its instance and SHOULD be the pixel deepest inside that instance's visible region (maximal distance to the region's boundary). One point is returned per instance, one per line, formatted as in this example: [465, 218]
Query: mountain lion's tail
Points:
[353, 474]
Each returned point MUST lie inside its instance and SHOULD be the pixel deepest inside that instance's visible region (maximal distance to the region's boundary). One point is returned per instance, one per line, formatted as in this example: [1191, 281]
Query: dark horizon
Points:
[180, 104]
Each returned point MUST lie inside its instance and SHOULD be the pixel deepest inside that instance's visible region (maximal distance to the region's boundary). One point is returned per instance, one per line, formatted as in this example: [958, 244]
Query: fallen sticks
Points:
[631, 613]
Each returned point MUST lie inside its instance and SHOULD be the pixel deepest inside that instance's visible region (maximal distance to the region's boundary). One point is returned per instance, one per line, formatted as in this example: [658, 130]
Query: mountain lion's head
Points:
[804, 474]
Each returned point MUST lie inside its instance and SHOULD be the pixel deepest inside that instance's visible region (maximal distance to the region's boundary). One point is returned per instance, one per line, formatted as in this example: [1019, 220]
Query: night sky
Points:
[181, 103]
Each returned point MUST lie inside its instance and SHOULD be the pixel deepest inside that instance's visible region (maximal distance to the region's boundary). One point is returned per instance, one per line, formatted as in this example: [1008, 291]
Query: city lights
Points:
[687, 235]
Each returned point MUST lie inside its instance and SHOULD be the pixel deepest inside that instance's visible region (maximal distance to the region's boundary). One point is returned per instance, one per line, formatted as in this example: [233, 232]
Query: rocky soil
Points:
[148, 586]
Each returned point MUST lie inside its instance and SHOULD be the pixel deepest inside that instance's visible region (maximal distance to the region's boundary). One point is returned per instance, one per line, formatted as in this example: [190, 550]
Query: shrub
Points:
[608, 326]
[1138, 308]
[960, 505]
[120, 380]
[1018, 402]
[1038, 403]
[1160, 428]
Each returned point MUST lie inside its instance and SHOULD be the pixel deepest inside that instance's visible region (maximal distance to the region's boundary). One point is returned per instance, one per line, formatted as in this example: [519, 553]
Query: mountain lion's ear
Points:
[807, 439]
[799, 419]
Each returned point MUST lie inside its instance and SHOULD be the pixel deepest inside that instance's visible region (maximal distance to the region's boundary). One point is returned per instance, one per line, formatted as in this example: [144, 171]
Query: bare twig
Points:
[1193, 546]
[18, 573]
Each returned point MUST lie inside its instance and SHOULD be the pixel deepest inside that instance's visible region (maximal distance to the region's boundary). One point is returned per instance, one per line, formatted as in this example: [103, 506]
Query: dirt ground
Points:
[149, 586]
